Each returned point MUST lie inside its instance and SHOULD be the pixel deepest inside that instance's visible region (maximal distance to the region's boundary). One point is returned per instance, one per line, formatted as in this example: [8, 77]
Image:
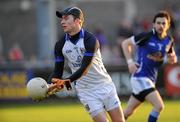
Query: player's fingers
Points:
[51, 87]
[58, 81]
[54, 87]
[54, 80]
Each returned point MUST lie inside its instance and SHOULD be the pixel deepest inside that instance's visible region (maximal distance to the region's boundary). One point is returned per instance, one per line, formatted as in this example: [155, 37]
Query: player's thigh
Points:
[132, 104]
[93, 106]
[116, 114]
[92, 103]
[156, 100]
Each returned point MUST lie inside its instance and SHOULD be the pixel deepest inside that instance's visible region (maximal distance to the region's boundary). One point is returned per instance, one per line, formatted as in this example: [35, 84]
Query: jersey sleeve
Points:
[59, 61]
[141, 38]
[91, 46]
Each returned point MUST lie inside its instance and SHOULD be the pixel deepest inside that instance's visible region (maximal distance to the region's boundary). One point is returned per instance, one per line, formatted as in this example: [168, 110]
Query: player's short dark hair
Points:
[162, 14]
[74, 11]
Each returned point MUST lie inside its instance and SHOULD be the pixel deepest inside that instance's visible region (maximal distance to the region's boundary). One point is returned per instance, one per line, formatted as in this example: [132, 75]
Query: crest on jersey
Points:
[82, 50]
[152, 44]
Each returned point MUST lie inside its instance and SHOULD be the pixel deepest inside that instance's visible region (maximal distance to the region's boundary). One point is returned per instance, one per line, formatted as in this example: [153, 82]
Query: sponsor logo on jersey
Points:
[157, 56]
[76, 64]
[79, 59]
[68, 51]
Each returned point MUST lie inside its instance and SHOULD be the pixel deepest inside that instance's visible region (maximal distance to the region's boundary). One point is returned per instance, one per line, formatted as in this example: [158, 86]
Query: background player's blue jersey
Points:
[150, 53]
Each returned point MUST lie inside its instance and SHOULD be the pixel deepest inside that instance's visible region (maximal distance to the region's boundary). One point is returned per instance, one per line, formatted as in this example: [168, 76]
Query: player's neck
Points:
[162, 35]
[75, 31]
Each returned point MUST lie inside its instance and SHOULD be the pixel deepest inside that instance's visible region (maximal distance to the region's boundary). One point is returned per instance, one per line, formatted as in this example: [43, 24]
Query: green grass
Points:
[61, 112]
[44, 113]
[171, 112]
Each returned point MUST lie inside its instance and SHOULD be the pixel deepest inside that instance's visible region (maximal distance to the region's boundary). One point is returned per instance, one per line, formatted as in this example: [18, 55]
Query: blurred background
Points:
[29, 30]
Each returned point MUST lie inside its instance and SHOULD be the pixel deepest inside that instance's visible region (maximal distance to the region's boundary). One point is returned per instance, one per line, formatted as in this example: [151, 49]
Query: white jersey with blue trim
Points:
[96, 75]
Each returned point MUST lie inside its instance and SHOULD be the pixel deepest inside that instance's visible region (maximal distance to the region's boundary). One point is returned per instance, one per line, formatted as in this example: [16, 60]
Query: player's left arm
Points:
[91, 46]
[171, 55]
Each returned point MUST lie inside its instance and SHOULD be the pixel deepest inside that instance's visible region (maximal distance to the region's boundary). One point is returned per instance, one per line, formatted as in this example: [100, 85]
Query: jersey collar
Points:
[81, 35]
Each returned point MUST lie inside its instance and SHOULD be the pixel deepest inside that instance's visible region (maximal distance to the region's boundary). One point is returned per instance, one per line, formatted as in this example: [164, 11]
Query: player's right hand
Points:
[57, 85]
[132, 67]
[60, 82]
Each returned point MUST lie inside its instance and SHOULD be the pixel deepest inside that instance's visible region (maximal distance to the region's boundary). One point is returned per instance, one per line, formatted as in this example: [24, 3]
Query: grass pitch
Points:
[171, 112]
[74, 112]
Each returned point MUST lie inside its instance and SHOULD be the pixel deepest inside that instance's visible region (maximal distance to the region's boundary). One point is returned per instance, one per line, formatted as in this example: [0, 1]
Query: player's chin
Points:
[159, 32]
[65, 30]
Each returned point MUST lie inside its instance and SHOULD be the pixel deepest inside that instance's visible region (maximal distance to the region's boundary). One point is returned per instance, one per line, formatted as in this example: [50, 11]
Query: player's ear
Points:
[153, 25]
[169, 24]
[77, 20]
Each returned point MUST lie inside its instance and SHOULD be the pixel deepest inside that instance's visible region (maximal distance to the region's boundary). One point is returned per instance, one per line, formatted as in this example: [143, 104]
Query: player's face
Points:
[68, 23]
[161, 25]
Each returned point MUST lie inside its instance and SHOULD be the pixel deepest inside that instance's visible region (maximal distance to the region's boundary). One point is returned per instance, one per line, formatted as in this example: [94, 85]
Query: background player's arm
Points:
[128, 47]
[171, 55]
[91, 45]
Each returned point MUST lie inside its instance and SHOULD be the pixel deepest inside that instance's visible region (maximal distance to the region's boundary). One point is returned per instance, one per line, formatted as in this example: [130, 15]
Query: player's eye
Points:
[158, 23]
[163, 23]
[64, 17]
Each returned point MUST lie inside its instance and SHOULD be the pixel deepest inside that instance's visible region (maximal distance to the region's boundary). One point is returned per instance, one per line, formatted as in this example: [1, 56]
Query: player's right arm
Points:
[58, 68]
[128, 47]
[59, 61]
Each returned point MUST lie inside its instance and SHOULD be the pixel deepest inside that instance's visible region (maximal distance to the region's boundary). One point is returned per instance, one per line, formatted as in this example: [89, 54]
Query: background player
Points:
[152, 47]
[93, 84]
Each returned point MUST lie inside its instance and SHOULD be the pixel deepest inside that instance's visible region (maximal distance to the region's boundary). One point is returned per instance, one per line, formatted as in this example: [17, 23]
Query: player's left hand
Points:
[172, 58]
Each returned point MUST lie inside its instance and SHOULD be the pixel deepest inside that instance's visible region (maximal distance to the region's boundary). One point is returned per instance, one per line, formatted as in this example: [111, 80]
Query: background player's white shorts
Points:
[99, 99]
[140, 84]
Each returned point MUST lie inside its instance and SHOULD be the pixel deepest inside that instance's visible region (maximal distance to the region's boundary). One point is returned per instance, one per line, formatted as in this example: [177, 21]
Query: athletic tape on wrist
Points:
[129, 61]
